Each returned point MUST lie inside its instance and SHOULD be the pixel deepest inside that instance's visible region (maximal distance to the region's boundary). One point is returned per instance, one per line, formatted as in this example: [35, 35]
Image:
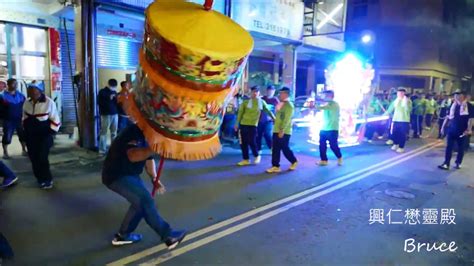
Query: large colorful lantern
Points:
[190, 64]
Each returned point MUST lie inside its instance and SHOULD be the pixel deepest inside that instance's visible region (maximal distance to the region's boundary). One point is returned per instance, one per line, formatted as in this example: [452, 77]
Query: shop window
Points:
[32, 67]
[23, 52]
[32, 39]
[3, 51]
[3, 39]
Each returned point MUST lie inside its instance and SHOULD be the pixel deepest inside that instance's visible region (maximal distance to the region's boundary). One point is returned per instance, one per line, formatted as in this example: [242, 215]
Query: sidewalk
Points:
[65, 150]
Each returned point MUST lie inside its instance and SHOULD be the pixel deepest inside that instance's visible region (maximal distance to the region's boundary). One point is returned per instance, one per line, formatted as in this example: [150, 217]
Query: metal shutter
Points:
[117, 52]
[68, 102]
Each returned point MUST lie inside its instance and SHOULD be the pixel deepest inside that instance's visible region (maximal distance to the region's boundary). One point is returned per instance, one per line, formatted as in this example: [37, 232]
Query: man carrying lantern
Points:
[190, 65]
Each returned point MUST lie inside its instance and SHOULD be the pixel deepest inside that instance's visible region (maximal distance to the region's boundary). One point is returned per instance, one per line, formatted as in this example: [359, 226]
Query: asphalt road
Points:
[243, 216]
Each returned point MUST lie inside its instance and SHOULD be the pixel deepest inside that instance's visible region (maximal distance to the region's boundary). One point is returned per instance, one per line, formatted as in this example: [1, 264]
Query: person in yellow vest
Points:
[431, 106]
[247, 121]
[330, 128]
[282, 132]
[401, 108]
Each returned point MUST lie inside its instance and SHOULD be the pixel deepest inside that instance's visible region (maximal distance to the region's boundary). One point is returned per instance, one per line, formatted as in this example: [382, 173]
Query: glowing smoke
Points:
[350, 79]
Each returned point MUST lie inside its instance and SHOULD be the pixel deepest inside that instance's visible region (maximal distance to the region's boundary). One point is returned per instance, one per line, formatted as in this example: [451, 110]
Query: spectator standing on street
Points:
[392, 97]
[129, 154]
[108, 109]
[443, 109]
[457, 126]
[401, 109]
[123, 119]
[227, 127]
[330, 128]
[265, 124]
[9, 178]
[418, 113]
[375, 108]
[12, 102]
[247, 121]
[41, 122]
[431, 106]
[282, 132]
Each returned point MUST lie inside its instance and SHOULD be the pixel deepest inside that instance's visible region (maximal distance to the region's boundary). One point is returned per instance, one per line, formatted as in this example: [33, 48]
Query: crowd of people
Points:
[425, 109]
[35, 120]
[417, 112]
[269, 118]
[254, 117]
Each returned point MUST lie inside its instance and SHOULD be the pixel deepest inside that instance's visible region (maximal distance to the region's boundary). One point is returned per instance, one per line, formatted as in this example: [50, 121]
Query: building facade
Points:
[294, 42]
[408, 45]
[34, 47]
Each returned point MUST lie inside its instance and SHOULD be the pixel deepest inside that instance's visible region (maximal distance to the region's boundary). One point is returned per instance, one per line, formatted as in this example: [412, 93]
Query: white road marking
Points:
[238, 227]
[148, 252]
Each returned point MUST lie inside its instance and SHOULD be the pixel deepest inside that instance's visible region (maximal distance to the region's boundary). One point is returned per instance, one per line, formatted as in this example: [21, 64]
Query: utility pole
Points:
[85, 32]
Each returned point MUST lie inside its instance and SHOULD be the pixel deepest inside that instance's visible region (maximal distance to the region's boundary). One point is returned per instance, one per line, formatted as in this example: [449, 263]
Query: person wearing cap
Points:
[12, 102]
[390, 98]
[418, 112]
[265, 124]
[431, 106]
[247, 121]
[401, 108]
[457, 126]
[128, 156]
[108, 110]
[41, 122]
[329, 129]
[282, 132]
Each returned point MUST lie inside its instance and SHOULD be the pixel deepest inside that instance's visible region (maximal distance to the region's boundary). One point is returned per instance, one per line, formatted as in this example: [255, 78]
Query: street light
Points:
[367, 38]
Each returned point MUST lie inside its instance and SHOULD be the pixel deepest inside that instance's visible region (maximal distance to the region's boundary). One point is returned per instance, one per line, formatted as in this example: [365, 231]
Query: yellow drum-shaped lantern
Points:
[190, 64]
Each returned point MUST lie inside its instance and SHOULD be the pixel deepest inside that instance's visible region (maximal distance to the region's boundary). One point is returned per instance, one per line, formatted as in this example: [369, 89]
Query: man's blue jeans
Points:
[142, 206]
[6, 172]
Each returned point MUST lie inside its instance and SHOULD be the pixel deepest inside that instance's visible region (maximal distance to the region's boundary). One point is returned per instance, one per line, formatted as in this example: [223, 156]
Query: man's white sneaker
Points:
[400, 150]
[394, 147]
[257, 160]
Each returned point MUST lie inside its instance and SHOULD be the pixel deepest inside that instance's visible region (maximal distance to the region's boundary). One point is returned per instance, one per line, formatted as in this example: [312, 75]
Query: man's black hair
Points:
[11, 81]
[112, 82]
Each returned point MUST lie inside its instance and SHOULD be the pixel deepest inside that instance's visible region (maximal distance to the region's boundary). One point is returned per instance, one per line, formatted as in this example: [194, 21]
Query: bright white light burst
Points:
[350, 79]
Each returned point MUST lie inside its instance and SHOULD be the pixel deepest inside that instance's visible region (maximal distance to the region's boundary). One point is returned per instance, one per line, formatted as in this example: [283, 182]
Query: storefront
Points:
[117, 51]
[120, 25]
[277, 28]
